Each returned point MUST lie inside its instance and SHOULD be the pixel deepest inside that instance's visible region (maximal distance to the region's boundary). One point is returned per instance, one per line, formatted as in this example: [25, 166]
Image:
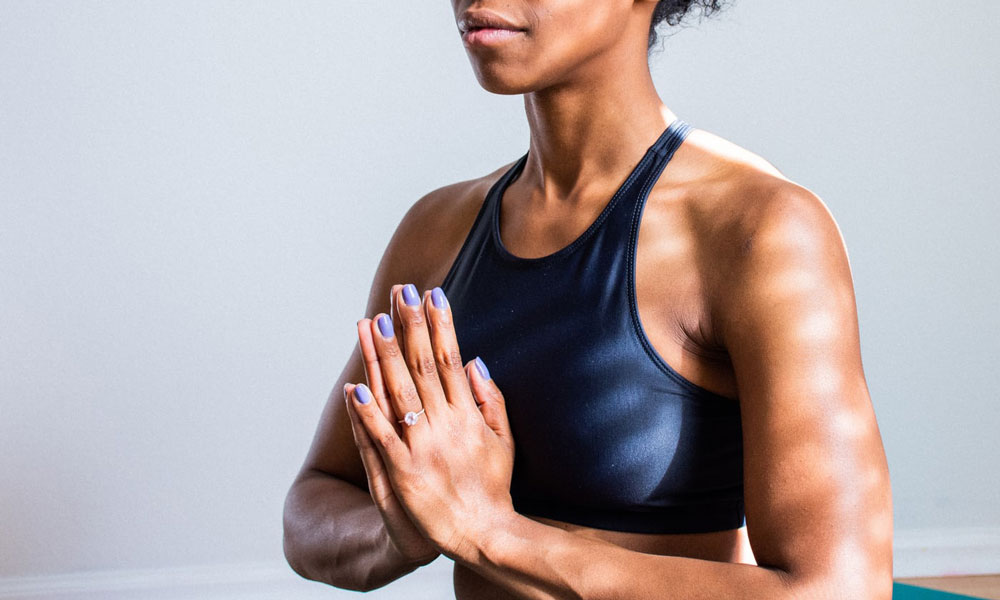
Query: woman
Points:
[677, 406]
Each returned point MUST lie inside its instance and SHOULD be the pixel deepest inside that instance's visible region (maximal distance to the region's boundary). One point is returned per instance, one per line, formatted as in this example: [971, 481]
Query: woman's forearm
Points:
[334, 533]
[539, 562]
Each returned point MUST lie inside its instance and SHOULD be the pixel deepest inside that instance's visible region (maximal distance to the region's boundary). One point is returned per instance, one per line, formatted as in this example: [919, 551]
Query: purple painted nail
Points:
[385, 326]
[410, 296]
[437, 296]
[481, 366]
[362, 394]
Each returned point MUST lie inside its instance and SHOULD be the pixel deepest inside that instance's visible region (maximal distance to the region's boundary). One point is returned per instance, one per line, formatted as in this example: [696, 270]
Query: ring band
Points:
[410, 418]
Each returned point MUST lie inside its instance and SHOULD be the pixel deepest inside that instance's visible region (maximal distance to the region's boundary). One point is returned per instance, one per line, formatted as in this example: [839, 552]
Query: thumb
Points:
[489, 398]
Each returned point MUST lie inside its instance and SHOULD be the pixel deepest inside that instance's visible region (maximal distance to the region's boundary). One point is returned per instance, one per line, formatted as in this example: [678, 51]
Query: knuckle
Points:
[406, 395]
[387, 439]
[489, 398]
[412, 318]
[495, 395]
[424, 366]
[443, 318]
[392, 350]
[450, 359]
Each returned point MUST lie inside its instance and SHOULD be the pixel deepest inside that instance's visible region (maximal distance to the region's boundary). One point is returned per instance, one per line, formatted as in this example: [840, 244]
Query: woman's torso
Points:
[686, 226]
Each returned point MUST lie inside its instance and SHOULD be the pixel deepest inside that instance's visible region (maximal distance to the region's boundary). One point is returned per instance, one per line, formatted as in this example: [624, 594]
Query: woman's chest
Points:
[595, 413]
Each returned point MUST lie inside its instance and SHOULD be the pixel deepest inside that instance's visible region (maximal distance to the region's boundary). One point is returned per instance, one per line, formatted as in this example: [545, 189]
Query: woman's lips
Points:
[489, 36]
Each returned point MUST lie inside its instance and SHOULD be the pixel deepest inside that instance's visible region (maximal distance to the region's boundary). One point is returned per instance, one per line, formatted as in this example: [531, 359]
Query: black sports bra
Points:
[606, 433]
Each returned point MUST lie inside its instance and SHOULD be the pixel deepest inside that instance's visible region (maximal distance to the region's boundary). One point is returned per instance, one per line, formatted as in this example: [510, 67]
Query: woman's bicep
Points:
[816, 481]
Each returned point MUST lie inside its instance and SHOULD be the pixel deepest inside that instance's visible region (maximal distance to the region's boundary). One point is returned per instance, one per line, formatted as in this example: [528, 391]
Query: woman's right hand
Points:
[412, 546]
[408, 542]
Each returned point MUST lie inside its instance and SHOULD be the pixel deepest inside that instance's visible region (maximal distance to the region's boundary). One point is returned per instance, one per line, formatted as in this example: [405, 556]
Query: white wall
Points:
[194, 196]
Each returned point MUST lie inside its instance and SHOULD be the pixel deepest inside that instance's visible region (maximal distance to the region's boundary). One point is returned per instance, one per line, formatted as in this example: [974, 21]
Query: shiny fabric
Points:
[606, 433]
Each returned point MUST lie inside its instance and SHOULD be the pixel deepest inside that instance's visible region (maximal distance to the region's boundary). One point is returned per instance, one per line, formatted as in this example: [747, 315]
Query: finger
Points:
[390, 447]
[378, 481]
[402, 392]
[373, 371]
[394, 313]
[447, 355]
[418, 354]
[489, 399]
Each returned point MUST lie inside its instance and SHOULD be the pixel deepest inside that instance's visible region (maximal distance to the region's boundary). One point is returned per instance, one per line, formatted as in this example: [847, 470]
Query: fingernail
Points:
[410, 296]
[481, 366]
[385, 326]
[362, 394]
[437, 296]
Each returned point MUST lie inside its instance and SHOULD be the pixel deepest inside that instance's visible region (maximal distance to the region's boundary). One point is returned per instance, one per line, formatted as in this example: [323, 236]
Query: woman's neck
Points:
[590, 131]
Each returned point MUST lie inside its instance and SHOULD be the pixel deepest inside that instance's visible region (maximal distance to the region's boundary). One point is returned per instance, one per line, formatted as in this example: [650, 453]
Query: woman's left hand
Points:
[451, 469]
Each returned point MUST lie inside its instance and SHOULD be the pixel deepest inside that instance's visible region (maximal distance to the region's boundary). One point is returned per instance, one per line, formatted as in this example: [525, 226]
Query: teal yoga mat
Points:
[901, 591]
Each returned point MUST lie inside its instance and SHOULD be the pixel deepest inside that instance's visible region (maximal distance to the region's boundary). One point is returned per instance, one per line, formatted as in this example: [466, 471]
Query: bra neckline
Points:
[515, 172]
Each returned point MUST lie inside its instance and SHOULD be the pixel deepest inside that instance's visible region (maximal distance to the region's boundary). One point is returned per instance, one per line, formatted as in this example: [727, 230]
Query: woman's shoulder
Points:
[754, 227]
[733, 196]
[432, 230]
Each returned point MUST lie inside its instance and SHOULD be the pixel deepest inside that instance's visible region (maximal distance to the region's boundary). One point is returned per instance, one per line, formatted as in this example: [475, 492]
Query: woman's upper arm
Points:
[817, 491]
[414, 254]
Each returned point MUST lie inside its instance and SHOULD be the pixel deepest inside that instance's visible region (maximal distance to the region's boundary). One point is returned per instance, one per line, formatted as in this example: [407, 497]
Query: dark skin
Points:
[743, 286]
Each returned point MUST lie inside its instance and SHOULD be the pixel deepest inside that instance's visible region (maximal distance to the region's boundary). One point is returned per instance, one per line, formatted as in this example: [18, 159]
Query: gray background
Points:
[194, 197]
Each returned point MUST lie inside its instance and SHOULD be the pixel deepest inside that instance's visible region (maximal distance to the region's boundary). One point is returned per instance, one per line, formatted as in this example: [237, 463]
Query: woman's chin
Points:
[503, 81]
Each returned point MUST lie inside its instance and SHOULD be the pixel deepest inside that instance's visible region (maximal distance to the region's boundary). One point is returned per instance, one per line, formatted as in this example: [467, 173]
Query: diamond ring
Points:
[410, 418]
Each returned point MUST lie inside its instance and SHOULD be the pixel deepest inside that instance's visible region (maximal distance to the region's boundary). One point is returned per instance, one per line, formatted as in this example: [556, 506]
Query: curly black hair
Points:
[673, 11]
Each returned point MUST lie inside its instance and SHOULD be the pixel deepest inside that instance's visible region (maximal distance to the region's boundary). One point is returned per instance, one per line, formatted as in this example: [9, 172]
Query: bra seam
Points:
[655, 150]
[633, 303]
[472, 230]
[509, 257]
